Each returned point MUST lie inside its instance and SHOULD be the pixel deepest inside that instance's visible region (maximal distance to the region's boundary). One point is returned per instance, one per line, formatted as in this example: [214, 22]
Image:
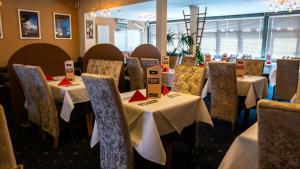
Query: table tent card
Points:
[166, 64]
[69, 68]
[240, 68]
[154, 82]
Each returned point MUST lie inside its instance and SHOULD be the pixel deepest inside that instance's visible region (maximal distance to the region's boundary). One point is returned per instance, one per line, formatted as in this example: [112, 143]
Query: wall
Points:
[87, 5]
[12, 42]
[112, 23]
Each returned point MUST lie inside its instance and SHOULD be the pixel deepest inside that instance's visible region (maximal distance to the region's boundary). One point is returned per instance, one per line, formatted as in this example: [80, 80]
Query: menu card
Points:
[154, 82]
[207, 59]
[166, 63]
[240, 68]
[69, 68]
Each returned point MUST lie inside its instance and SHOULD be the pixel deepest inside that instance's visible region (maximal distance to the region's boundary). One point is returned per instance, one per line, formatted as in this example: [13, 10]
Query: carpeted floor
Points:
[74, 151]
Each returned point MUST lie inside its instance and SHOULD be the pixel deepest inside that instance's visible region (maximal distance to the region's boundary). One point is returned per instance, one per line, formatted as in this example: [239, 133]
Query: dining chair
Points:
[189, 79]
[253, 67]
[188, 61]
[32, 109]
[135, 73]
[286, 79]
[105, 67]
[115, 144]
[7, 157]
[297, 99]
[146, 51]
[44, 101]
[278, 135]
[224, 99]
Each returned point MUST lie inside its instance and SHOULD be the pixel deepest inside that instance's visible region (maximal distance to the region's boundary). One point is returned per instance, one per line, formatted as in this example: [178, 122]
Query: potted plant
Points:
[199, 56]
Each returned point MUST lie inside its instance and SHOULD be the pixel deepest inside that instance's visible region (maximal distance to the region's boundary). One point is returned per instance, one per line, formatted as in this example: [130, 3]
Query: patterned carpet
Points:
[74, 151]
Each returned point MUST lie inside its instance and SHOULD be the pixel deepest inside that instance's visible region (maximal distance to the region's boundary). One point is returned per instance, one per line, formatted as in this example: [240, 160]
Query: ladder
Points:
[201, 18]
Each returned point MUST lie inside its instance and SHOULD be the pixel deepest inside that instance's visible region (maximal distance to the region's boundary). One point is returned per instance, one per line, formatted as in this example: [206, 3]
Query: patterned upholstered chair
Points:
[279, 137]
[115, 144]
[224, 99]
[32, 109]
[105, 67]
[189, 79]
[44, 100]
[135, 73]
[286, 79]
[188, 61]
[7, 157]
[147, 62]
[254, 67]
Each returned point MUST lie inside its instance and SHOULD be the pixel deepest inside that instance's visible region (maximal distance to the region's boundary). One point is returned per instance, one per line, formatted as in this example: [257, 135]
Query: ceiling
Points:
[147, 10]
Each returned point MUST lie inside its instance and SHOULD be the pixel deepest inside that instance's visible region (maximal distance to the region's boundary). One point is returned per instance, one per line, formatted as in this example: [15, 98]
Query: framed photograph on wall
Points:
[1, 30]
[29, 24]
[62, 26]
[89, 29]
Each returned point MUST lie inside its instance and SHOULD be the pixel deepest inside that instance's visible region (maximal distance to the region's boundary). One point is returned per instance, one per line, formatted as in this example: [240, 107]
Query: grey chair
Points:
[135, 73]
[278, 135]
[115, 144]
[224, 99]
[286, 79]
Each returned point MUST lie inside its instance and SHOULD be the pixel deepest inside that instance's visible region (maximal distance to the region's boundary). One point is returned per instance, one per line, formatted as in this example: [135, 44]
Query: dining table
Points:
[147, 120]
[242, 153]
[252, 87]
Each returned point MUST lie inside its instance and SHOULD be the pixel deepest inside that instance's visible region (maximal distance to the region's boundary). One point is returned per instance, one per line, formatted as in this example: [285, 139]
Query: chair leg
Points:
[89, 123]
[55, 142]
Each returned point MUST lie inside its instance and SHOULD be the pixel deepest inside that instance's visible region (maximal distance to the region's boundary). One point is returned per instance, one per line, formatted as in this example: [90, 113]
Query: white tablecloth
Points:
[253, 87]
[148, 121]
[242, 154]
[68, 95]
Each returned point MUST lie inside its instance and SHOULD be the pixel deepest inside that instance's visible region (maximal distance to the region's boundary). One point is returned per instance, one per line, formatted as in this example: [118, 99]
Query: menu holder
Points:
[154, 82]
[166, 64]
[240, 68]
[69, 68]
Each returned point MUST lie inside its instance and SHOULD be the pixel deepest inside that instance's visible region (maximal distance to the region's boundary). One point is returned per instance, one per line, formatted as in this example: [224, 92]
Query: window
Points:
[284, 34]
[127, 40]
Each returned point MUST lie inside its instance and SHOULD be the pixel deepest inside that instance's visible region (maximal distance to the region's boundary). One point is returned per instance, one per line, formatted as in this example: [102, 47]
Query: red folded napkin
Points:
[137, 96]
[166, 69]
[49, 77]
[64, 82]
[165, 90]
[269, 62]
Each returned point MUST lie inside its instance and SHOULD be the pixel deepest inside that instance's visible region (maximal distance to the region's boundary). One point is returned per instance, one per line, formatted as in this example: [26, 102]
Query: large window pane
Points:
[284, 36]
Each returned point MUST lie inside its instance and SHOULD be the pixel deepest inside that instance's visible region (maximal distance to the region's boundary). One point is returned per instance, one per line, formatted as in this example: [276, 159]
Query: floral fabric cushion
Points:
[189, 79]
[105, 67]
[115, 144]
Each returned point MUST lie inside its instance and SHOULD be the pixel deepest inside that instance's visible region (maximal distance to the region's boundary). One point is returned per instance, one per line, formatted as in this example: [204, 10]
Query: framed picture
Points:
[1, 30]
[29, 24]
[62, 26]
[89, 29]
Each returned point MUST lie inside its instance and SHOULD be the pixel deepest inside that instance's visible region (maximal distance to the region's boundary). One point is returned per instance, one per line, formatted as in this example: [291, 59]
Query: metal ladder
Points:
[200, 25]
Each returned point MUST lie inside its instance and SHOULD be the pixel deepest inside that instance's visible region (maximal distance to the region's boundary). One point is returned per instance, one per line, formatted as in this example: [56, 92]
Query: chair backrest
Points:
[224, 103]
[135, 73]
[189, 79]
[286, 79]
[188, 61]
[44, 100]
[26, 83]
[253, 67]
[146, 51]
[106, 52]
[105, 67]
[278, 135]
[115, 144]
[298, 92]
[7, 157]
